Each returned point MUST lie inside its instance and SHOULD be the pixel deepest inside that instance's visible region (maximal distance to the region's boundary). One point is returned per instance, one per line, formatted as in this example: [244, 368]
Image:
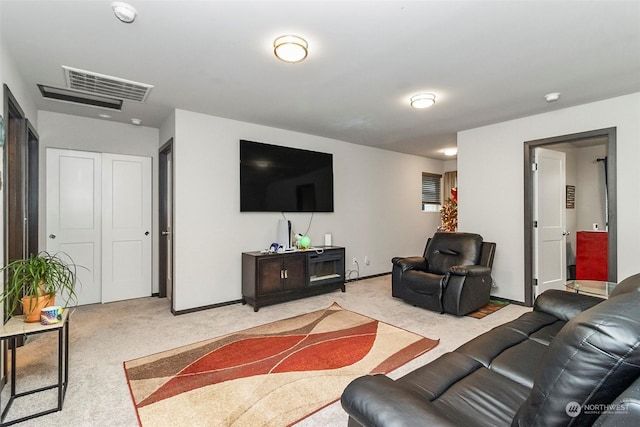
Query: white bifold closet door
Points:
[99, 212]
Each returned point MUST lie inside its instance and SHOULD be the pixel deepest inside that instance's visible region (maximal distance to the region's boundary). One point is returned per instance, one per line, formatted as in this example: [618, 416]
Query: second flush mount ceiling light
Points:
[290, 48]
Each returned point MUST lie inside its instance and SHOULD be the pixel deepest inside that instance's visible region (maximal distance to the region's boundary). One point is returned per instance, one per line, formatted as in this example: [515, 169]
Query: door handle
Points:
[565, 233]
[146, 233]
[52, 236]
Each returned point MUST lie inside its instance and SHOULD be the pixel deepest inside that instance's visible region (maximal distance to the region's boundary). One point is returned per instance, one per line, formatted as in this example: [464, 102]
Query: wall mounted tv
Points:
[283, 179]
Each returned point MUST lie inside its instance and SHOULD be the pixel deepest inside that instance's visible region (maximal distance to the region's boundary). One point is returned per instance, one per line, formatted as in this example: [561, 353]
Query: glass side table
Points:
[591, 287]
[15, 328]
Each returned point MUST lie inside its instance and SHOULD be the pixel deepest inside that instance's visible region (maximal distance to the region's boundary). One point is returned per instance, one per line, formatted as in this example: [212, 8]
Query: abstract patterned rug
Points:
[270, 375]
[492, 307]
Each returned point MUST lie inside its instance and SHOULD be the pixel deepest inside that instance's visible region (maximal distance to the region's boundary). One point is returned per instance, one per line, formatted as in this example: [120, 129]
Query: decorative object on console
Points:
[270, 375]
[304, 242]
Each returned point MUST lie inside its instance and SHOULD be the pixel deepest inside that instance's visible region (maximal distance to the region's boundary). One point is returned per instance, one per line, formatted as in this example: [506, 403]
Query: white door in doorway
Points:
[99, 212]
[550, 254]
[74, 215]
[126, 227]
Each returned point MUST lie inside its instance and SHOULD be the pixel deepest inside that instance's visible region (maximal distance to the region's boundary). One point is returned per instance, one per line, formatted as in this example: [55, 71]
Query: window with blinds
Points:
[431, 192]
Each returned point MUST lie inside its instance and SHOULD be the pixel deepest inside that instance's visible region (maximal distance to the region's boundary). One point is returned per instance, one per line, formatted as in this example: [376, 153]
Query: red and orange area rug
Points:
[270, 375]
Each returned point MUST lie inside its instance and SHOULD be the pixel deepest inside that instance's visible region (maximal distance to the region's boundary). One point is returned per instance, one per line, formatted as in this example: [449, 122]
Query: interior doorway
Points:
[578, 141]
[165, 261]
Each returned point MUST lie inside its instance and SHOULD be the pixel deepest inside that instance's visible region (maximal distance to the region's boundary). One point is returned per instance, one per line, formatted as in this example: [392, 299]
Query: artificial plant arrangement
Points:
[35, 281]
[449, 212]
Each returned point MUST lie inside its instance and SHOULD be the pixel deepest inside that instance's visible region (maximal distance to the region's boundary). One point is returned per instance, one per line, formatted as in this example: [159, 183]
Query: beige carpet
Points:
[270, 375]
[104, 335]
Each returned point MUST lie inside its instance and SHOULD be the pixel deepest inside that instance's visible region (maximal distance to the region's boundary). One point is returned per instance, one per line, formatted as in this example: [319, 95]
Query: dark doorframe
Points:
[529, 147]
[32, 187]
[15, 179]
[165, 219]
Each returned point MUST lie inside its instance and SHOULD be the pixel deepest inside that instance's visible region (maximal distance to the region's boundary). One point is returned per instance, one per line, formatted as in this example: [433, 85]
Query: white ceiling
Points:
[486, 61]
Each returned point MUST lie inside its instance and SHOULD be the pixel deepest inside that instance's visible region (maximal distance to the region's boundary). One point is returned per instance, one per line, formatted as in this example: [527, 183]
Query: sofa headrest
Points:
[591, 360]
[448, 249]
[630, 284]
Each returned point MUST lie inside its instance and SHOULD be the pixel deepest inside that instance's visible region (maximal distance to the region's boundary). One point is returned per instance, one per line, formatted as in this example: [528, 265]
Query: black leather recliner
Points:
[453, 275]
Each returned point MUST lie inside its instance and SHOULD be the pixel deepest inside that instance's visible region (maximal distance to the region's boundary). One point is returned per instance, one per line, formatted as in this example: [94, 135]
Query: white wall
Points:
[377, 205]
[85, 134]
[590, 189]
[11, 77]
[491, 181]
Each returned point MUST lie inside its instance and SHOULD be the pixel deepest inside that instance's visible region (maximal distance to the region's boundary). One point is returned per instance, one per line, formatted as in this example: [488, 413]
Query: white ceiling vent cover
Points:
[88, 81]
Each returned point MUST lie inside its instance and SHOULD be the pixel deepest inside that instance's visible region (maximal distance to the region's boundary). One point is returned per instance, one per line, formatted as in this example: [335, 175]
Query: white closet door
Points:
[126, 227]
[73, 223]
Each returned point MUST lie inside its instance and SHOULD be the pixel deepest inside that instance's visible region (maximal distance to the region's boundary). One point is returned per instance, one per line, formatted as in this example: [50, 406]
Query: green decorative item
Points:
[304, 242]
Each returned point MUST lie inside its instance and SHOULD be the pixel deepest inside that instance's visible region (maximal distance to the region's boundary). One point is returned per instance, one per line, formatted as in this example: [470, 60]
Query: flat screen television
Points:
[274, 178]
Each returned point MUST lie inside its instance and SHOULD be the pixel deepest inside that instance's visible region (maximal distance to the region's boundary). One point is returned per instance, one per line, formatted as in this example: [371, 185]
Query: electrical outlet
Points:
[355, 261]
[366, 260]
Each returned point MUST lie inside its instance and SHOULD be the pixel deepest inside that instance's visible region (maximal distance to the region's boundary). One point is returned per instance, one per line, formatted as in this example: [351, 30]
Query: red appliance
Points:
[592, 256]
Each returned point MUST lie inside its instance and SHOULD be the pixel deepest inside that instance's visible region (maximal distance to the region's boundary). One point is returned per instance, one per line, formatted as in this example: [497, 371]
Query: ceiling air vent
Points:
[81, 98]
[90, 82]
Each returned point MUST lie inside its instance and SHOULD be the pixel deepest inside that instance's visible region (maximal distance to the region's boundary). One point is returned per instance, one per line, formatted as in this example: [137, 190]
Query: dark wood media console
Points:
[271, 278]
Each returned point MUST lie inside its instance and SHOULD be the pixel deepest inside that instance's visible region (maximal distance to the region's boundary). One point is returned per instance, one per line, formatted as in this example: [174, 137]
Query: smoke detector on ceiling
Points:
[552, 97]
[124, 11]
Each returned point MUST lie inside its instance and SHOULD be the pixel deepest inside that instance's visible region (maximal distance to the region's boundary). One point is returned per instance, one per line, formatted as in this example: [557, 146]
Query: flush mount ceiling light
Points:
[552, 97]
[423, 100]
[450, 151]
[290, 48]
[124, 11]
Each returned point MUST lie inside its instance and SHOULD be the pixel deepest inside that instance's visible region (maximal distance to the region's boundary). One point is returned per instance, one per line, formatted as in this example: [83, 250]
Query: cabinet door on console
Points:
[270, 275]
[296, 272]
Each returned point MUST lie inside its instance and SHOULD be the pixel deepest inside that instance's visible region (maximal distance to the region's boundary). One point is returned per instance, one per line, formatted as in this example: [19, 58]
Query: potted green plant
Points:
[35, 281]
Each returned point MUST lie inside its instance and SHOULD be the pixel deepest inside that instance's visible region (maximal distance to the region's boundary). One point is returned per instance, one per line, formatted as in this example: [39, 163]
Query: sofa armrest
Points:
[411, 263]
[377, 400]
[564, 305]
[470, 270]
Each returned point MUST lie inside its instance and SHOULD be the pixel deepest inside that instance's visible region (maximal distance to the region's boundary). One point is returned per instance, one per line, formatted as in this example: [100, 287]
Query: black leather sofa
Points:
[452, 276]
[572, 361]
